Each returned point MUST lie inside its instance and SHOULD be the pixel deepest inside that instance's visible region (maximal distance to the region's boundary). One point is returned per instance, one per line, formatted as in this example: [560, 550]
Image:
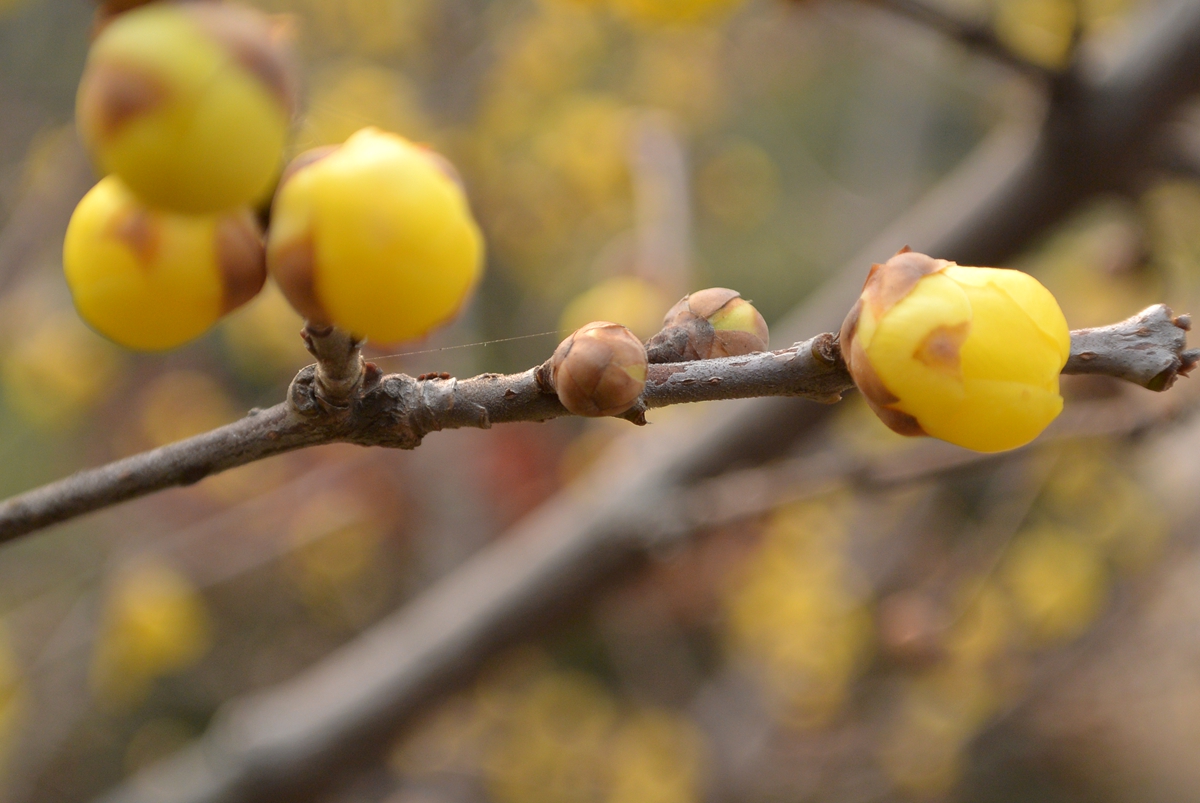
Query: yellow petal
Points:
[145, 278]
[995, 416]
[1005, 345]
[1027, 293]
[395, 251]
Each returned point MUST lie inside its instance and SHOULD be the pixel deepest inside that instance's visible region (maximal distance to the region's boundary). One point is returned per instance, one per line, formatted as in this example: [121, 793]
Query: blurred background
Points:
[850, 616]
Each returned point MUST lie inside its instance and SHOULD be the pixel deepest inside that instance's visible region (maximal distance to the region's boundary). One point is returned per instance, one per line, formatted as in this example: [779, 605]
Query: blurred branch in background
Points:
[662, 204]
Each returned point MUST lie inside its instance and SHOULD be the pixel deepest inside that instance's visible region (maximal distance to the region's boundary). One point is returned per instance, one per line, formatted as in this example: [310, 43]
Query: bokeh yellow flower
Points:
[189, 103]
[967, 355]
[154, 624]
[152, 280]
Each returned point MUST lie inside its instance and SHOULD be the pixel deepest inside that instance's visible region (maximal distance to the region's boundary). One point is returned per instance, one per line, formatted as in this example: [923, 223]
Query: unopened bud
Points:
[599, 370]
[190, 104]
[374, 236]
[969, 355]
[716, 322]
[151, 279]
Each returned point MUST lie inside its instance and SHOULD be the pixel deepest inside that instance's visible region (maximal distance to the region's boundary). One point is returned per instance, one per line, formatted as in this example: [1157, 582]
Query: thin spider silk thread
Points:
[464, 345]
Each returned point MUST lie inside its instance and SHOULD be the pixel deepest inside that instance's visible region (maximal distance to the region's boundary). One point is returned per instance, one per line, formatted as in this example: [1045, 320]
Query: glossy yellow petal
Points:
[1005, 344]
[1027, 293]
[995, 416]
[973, 355]
[189, 105]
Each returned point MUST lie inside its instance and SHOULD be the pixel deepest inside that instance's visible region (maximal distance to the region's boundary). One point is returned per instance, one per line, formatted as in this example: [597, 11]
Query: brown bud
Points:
[716, 322]
[599, 370]
[241, 257]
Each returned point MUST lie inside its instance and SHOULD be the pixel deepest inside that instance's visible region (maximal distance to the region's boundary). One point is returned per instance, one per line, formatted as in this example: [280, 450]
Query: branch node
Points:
[1188, 361]
[543, 376]
[826, 348]
[301, 394]
[1147, 349]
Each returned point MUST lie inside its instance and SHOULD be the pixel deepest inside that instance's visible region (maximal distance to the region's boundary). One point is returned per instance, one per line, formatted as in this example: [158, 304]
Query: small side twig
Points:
[339, 369]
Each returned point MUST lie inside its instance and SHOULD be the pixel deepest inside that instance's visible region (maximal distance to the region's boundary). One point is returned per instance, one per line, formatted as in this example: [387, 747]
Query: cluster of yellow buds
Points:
[187, 107]
[968, 355]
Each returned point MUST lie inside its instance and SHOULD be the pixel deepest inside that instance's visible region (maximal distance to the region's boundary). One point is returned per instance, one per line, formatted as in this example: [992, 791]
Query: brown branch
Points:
[1149, 340]
[751, 492]
[340, 400]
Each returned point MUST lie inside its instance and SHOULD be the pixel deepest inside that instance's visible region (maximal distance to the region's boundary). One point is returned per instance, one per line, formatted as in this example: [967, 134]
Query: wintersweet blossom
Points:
[968, 355]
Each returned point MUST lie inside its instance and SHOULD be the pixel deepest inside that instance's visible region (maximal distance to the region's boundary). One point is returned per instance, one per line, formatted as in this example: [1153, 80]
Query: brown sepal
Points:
[259, 43]
[111, 95]
[877, 395]
[692, 339]
[107, 10]
[687, 333]
[890, 282]
[292, 267]
[702, 303]
[885, 286]
[302, 160]
[241, 258]
[136, 227]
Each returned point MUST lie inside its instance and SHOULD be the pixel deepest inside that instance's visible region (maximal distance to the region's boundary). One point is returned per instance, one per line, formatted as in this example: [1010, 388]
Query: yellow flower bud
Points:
[374, 236]
[599, 370]
[154, 624]
[152, 280]
[968, 355]
[189, 103]
[716, 322]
